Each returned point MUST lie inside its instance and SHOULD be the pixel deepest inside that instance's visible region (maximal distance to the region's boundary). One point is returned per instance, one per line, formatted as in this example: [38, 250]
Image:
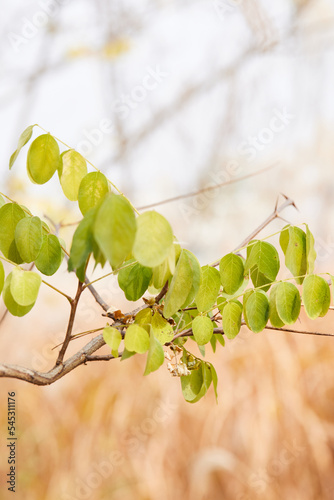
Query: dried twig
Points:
[209, 188]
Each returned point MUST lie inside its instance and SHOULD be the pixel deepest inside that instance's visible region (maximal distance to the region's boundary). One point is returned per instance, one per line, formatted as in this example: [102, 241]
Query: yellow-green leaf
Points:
[293, 243]
[208, 290]
[23, 139]
[24, 286]
[92, 190]
[29, 238]
[154, 239]
[232, 272]
[231, 319]
[287, 302]
[202, 328]
[43, 158]
[112, 338]
[257, 310]
[10, 215]
[180, 286]
[196, 278]
[136, 339]
[50, 256]
[155, 357]
[162, 330]
[13, 307]
[316, 296]
[115, 229]
[311, 254]
[72, 170]
[2, 276]
[274, 318]
[134, 280]
[262, 263]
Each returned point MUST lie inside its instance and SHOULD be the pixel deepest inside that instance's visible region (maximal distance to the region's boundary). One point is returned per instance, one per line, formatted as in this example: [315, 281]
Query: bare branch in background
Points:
[209, 188]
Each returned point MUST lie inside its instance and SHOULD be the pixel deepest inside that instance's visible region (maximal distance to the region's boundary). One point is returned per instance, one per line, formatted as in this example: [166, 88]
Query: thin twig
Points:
[209, 188]
[162, 293]
[103, 357]
[302, 332]
[275, 215]
[74, 305]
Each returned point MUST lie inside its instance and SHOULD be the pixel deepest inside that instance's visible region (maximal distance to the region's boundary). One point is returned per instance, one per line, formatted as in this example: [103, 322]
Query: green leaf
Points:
[202, 328]
[239, 292]
[136, 339]
[275, 320]
[50, 256]
[214, 377]
[43, 158]
[93, 189]
[164, 271]
[192, 384]
[220, 339]
[207, 379]
[231, 319]
[10, 215]
[162, 330]
[196, 278]
[311, 254]
[71, 171]
[208, 290]
[2, 276]
[13, 307]
[154, 239]
[24, 286]
[144, 317]
[112, 338]
[262, 263]
[2, 201]
[284, 238]
[29, 238]
[161, 274]
[221, 303]
[316, 296]
[213, 342]
[288, 302]
[127, 354]
[23, 139]
[257, 311]
[115, 229]
[134, 280]
[259, 280]
[155, 357]
[246, 296]
[295, 252]
[180, 287]
[82, 242]
[195, 385]
[232, 272]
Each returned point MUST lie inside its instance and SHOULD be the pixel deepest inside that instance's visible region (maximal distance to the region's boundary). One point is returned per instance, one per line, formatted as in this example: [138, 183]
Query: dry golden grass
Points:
[106, 432]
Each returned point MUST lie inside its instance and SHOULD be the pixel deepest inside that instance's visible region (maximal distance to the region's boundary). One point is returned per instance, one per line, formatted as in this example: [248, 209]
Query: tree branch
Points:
[39, 378]
[74, 305]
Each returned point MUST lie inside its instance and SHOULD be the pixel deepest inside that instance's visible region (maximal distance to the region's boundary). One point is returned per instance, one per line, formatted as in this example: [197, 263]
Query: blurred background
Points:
[167, 97]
